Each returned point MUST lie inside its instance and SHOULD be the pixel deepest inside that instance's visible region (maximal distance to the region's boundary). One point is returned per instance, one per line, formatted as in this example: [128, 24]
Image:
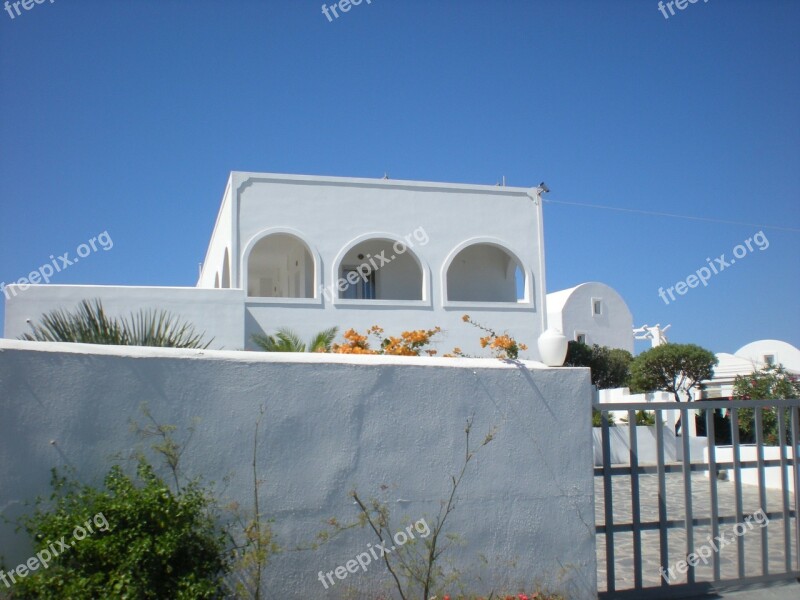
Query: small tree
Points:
[770, 383]
[610, 366]
[416, 570]
[673, 368]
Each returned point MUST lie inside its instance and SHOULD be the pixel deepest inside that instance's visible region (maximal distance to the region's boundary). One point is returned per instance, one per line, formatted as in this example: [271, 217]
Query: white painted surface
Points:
[783, 353]
[216, 312]
[333, 423]
[647, 448]
[485, 231]
[572, 311]
[218, 254]
[749, 452]
[747, 360]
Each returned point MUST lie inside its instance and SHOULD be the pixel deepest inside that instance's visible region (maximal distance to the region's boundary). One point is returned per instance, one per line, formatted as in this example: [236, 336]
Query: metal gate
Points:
[675, 534]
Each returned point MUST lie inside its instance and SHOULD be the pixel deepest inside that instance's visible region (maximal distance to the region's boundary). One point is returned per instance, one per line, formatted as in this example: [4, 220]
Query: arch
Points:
[216, 280]
[379, 266]
[486, 270]
[226, 270]
[280, 264]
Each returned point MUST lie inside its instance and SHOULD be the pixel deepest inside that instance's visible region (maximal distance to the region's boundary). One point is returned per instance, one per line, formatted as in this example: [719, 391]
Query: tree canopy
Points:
[609, 366]
[672, 368]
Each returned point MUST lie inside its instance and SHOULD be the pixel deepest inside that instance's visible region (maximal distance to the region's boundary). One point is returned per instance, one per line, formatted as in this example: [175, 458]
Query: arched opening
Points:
[379, 269]
[485, 272]
[226, 270]
[216, 280]
[280, 265]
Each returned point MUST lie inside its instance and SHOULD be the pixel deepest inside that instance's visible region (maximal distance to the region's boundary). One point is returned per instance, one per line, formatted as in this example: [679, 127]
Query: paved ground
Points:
[790, 591]
[752, 539]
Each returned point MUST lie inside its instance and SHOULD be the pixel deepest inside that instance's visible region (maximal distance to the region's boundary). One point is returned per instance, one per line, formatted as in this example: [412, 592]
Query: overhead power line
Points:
[671, 215]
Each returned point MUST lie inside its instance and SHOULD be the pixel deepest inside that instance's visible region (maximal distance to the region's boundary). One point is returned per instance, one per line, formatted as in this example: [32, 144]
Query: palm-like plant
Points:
[286, 340]
[90, 324]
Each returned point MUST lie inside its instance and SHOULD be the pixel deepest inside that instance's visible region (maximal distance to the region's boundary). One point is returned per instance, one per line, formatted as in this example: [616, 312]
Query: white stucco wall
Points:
[332, 424]
[571, 311]
[219, 314]
[784, 353]
[219, 257]
[335, 215]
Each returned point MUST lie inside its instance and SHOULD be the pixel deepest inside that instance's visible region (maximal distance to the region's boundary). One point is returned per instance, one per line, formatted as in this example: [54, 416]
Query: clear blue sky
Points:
[128, 116]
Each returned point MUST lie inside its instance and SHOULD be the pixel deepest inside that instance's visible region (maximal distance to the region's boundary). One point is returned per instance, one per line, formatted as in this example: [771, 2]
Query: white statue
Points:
[655, 334]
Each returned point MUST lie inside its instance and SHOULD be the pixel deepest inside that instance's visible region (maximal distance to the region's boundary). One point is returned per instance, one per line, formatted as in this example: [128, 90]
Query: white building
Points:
[310, 253]
[747, 359]
[593, 313]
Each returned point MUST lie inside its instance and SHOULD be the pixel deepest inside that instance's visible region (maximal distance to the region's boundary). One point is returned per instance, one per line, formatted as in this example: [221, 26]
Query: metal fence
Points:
[779, 556]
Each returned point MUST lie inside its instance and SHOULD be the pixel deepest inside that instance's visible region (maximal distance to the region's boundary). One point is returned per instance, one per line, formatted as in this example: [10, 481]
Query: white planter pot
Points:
[552, 347]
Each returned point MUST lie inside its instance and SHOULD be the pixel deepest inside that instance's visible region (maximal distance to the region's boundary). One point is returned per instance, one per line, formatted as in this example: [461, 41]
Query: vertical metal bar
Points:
[712, 477]
[762, 487]
[796, 464]
[635, 507]
[687, 491]
[608, 501]
[737, 470]
[787, 523]
[662, 495]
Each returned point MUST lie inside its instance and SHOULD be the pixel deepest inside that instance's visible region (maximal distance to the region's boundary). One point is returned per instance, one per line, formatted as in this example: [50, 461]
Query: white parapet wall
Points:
[216, 313]
[388, 427]
[749, 475]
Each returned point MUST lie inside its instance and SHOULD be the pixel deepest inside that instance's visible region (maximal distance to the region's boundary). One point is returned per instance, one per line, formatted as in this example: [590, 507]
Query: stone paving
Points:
[648, 488]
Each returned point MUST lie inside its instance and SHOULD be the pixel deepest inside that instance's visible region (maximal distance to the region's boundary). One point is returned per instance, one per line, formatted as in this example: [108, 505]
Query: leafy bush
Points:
[644, 417]
[90, 324]
[597, 418]
[673, 368]
[609, 366]
[770, 383]
[286, 340]
[157, 543]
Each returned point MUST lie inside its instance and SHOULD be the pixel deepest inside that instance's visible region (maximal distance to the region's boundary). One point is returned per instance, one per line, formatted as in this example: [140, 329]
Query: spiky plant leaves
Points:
[90, 324]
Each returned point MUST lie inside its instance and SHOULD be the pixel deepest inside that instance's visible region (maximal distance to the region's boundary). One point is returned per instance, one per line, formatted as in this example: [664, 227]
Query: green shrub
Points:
[772, 382]
[150, 543]
[597, 418]
[89, 324]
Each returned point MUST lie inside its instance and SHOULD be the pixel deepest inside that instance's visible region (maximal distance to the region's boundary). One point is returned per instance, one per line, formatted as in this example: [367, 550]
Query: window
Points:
[377, 269]
[769, 359]
[280, 265]
[597, 307]
[580, 338]
[360, 283]
[485, 272]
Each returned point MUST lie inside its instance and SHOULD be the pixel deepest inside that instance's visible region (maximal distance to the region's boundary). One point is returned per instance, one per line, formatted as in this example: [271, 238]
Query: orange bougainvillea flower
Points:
[503, 346]
[410, 343]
